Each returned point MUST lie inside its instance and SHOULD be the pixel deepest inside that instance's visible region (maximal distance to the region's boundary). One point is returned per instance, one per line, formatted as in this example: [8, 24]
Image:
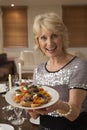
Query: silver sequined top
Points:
[73, 75]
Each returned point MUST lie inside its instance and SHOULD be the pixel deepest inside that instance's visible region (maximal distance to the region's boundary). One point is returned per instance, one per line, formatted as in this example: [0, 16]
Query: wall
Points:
[32, 12]
[82, 52]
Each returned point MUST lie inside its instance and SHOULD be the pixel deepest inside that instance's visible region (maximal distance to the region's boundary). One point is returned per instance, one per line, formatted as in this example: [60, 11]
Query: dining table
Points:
[27, 125]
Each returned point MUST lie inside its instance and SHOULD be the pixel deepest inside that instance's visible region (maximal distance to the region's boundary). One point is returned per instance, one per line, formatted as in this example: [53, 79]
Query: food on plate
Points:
[18, 96]
[31, 95]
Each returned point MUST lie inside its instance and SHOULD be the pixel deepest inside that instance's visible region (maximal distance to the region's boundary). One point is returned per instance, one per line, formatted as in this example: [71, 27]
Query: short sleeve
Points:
[78, 78]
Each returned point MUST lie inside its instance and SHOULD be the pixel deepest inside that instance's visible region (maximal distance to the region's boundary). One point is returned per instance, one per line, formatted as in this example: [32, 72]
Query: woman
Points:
[64, 72]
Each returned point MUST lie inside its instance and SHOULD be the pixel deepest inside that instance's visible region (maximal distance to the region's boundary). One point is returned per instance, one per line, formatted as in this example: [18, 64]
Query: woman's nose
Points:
[49, 41]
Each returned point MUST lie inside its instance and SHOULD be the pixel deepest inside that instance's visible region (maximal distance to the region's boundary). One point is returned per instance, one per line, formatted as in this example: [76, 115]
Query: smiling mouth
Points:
[51, 50]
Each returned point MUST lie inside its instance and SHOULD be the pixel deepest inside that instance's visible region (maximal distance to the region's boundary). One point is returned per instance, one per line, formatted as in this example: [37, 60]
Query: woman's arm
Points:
[76, 98]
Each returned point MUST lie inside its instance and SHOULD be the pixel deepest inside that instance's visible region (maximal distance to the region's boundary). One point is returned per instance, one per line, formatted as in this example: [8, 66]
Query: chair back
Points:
[28, 60]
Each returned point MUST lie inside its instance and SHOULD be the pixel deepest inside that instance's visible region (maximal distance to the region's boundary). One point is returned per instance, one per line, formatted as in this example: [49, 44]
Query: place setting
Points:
[13, 115]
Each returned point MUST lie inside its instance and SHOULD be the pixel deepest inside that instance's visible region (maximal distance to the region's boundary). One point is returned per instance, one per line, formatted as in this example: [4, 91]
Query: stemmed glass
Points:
[7, 107]
[15, 80]
[6, 88]
[19, 117]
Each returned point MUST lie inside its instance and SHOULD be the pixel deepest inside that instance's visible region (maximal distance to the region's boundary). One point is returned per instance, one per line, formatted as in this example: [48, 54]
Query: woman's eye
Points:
[43, 38]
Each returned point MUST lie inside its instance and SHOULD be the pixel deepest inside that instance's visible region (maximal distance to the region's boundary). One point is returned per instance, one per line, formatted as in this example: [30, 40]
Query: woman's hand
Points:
[37, 112]
[46, 110]
[33, 114]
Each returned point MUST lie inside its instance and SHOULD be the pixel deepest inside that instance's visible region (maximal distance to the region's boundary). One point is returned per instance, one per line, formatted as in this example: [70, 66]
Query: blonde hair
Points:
[52, 22]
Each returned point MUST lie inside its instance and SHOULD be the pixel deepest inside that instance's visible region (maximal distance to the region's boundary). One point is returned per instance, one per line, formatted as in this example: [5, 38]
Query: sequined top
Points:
[72, 76]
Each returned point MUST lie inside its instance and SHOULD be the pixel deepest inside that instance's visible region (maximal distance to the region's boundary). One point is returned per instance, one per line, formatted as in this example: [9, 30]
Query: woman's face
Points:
[50, 43]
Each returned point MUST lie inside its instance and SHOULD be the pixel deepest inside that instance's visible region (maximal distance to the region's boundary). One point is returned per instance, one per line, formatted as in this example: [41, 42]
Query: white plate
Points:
[6, 127]
[35, 121]
[54, 94]
[2, 88]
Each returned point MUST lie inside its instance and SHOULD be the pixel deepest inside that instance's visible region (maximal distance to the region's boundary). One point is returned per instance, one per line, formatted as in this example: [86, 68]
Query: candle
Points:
[10, 81]
[19, 64]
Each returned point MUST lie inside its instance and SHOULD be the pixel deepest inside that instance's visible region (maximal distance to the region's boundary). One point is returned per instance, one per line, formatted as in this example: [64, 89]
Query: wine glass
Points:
[6, 88]
[19, 116]
[12, 82]
[6, 107]
[15, 80]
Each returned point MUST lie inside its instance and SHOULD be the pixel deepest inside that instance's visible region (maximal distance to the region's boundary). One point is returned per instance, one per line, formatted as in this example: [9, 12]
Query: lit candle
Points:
[10, 81]
[19, 64]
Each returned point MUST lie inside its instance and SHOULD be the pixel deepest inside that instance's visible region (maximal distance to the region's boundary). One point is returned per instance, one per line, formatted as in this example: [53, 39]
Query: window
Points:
[15, 26]
[75, 18]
